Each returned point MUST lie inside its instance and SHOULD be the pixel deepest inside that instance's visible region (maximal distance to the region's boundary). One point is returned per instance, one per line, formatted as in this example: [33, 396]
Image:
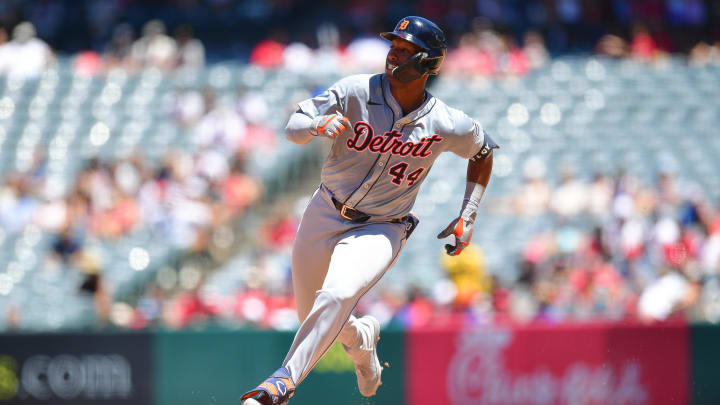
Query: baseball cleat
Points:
[275, 390]
[367, 365]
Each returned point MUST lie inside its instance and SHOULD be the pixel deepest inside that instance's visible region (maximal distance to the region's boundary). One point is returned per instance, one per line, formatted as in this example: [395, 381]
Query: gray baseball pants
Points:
[334, 263]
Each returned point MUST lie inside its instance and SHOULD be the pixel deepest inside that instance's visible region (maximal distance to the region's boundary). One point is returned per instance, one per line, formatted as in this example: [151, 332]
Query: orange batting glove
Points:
[462, 230]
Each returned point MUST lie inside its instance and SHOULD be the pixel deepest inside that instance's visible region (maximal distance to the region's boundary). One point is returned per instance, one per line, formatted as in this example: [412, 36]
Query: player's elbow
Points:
[297, 136]
[297, 129]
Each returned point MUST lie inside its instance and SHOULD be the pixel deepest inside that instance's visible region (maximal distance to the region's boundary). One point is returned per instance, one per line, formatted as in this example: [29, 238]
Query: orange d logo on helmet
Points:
[403, 24]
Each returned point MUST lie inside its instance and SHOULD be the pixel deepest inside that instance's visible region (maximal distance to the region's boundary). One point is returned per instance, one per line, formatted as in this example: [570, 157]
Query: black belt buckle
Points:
[350, 213]
[343, 212]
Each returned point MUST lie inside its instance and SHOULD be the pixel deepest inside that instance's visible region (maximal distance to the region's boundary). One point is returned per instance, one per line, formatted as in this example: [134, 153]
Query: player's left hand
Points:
[462, 230]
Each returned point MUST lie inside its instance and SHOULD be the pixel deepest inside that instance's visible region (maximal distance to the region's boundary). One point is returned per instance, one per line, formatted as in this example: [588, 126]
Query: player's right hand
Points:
[330, 125]
[462, 230]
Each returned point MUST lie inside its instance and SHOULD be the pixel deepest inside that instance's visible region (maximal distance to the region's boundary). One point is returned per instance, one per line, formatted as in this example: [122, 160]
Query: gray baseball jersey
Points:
[376, 167]
[379, 165]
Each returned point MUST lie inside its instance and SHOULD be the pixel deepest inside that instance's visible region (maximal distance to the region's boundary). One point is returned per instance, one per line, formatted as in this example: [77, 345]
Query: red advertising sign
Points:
[599, 364]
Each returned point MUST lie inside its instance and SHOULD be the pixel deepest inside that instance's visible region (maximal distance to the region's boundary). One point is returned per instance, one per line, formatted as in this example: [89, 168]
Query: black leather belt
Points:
[353, 215]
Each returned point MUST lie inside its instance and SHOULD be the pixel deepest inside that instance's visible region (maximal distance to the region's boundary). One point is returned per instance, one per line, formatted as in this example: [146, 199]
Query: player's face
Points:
[400, 51]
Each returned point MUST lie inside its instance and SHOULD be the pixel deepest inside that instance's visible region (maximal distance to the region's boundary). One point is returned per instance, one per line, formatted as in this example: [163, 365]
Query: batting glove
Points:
[330, 125]
[462, 230]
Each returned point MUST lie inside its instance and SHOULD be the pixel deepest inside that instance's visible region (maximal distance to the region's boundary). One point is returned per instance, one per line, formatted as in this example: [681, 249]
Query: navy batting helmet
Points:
[425, 34]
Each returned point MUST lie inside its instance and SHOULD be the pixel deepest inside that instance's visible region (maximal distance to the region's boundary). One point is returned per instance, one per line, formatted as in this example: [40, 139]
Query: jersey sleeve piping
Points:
[338, 100]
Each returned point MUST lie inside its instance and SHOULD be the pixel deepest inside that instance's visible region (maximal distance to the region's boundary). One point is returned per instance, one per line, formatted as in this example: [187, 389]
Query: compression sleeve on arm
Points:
[299, 129]
[471, 202]
[478, 177]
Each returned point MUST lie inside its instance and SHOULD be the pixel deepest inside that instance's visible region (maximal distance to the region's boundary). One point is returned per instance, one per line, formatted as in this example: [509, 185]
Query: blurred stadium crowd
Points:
[231, 27]
[187, 186]
[489, 35]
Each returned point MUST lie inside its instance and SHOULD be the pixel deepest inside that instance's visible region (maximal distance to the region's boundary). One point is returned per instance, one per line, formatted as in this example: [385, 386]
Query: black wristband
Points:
[488, 145]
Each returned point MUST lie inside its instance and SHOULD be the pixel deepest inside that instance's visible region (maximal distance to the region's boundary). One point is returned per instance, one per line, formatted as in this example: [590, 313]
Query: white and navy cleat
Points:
[367, 364]
[275, 390]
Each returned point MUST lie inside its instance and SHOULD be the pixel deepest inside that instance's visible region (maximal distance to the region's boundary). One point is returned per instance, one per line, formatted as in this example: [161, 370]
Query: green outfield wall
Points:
[193, 368]
[705, 360]
[613, 364]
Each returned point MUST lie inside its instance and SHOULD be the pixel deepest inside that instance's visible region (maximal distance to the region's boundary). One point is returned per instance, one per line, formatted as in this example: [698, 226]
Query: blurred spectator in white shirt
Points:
[600, 195]
[327, 56]
[710, 254]
[221, 128]
[188, 106]
[534, 194]
[253, 107]
[298, 57]
[612, 46]
[17, 204]
[26, 55]
[255, 110]
[155, 48]
[669, 293]
[570, 198]
[700, 54]
[367, 54]
[190, 51]
[4, 50]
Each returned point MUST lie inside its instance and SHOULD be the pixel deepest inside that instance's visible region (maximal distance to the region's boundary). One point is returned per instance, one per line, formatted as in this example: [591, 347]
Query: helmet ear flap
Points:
[418, 65]
[434, 61]
[411, 70]
[432, 65]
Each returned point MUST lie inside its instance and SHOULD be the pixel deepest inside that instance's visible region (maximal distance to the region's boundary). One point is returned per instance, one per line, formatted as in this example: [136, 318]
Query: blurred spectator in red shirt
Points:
[88, 63]
[417, 311]
[239, 189]
[514, 60]
[187, 308]
[534, 49]
[468, 59]
[642, 45]
[269, 53]
[280, 228]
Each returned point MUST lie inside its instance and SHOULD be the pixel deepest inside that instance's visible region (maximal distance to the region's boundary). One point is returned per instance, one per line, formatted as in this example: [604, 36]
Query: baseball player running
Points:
[386, 131]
